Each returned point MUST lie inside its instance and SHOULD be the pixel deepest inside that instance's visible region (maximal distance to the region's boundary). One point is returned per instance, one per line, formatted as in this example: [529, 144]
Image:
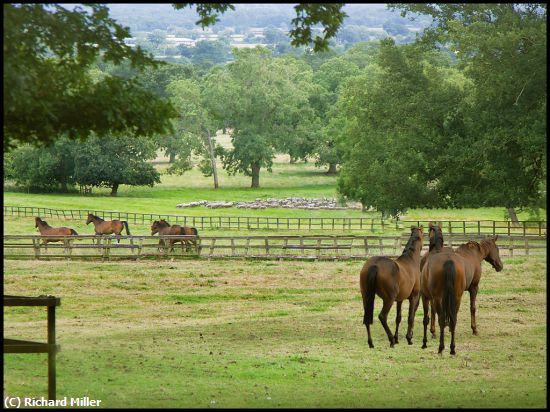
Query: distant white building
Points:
[176, 41]
[247, 45]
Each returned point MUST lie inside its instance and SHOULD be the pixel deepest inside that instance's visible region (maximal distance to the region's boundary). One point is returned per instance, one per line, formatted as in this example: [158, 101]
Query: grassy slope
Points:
[269, 334]
[287, 180]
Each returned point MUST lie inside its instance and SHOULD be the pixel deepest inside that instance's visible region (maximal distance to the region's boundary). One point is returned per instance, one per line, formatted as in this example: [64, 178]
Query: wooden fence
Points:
[479, 227]
[269, 247]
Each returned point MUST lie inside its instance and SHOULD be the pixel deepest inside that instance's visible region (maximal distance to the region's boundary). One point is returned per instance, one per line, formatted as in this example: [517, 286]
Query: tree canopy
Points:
[48, 90]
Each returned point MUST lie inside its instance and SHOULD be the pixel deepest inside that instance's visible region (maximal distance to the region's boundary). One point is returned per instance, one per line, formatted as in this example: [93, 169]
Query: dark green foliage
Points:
[109, 161]
[48, 90]
[462, 131]
[502, 49]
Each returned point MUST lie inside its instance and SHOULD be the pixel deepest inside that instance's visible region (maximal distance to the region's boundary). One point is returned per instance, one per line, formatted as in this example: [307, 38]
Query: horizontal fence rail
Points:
[479, 227]
[269, 247]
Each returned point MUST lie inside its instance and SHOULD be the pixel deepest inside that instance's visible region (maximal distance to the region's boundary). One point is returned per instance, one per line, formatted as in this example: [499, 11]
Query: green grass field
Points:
[263, 334]
[237, 333]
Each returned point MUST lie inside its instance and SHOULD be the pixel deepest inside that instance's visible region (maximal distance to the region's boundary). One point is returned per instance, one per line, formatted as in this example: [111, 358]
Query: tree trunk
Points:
[64, 187]
[513, 216]
[172, 157]
[331, 169]
[213, 160]
[255, 175]
[114, 189]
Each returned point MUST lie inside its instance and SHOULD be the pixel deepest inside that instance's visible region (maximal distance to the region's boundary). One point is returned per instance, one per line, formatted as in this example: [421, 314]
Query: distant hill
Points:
[148, 17]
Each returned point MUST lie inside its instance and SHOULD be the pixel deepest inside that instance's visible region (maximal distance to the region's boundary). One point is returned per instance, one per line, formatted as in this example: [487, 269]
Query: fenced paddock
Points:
[479, 227]
[263, 247]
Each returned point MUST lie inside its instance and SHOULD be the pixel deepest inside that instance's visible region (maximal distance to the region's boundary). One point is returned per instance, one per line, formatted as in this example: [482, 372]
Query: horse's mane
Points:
[438, 239]
[469, 244]
[409, 247]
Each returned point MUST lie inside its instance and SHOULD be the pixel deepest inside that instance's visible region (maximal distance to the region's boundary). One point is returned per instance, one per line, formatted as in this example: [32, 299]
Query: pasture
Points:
[255, 333]
[238, 333]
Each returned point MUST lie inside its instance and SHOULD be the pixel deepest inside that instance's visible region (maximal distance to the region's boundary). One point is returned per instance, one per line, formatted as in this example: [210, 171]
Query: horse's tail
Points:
[73, 232]
[368, 302]
[125, 223]
[448, 304]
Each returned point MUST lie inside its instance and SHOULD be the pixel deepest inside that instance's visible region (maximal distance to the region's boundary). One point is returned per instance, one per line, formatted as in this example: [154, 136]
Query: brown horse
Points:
[47, 230]
[107, 227]
[393, 281]
[447, 274]
[162, 227]
[435, 236]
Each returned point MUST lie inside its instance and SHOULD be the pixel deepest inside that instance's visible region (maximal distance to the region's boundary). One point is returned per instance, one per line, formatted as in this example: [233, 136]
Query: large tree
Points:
[110, 161]
[264, 100]
[502, 49]
[194, 128]
[48, 91]
[329, 78]
[398, 114]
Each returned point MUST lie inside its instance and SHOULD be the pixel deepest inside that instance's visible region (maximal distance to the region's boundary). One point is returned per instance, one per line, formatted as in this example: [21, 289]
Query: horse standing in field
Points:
[435, 237]
[162, 227]
[446, 275]
[393, 281]
[47, 230]
[107, 227]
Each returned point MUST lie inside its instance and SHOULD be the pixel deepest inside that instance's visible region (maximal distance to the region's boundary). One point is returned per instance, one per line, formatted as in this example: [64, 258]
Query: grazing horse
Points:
[47, 230]
[162, 227]
[393, 281]
[447, 274]
[107, 227]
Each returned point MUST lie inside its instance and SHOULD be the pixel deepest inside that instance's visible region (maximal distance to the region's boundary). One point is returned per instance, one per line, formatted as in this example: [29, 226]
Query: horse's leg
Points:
[441, 320]
[383, 316]
[426, 306]
[452, 326]
[397, 321]
[432, 323]
[473, 294]
[370, 338]
[414, 301]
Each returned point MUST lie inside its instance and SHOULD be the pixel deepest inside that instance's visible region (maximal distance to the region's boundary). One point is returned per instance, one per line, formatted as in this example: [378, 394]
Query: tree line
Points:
[456, 119]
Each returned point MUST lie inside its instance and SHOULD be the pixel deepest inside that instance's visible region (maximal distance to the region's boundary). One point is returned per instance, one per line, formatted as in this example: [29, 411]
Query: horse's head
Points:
[416, 239]
[493, 255]
[90, 218]
[155, 227]
[37, 222]
[436, 236]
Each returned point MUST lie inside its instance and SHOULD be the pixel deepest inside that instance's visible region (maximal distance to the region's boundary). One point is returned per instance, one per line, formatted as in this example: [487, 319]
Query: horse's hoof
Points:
[424, 346]
[410, 341]
[433, 336]
[453, 352]
[371, 345]
[440, 350]
[475, 332]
